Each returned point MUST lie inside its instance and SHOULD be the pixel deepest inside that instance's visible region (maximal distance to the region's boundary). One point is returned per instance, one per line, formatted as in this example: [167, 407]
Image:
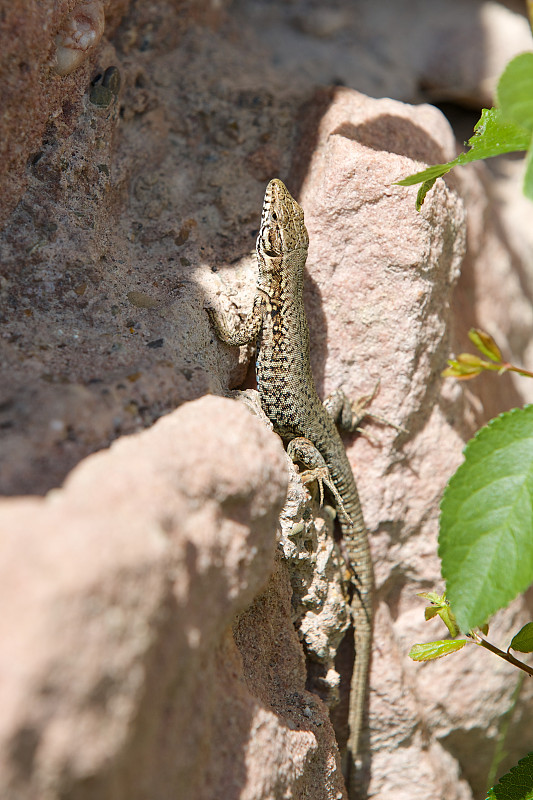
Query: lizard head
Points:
[282, 227]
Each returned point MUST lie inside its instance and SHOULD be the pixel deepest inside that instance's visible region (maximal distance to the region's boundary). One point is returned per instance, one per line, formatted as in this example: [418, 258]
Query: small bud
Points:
[441, 607]
[433, 597]
[470, 360]
[485, 344]
[461, 371]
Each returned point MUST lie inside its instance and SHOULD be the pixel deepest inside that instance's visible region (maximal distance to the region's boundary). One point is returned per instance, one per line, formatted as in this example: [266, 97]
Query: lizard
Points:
[278, 326]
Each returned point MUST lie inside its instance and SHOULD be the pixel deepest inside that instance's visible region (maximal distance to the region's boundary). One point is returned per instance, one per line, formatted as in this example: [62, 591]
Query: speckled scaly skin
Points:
[288, 396]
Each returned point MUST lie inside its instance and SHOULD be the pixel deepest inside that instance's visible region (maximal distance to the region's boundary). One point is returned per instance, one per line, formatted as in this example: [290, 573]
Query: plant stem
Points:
[519, 370]
[505, 655]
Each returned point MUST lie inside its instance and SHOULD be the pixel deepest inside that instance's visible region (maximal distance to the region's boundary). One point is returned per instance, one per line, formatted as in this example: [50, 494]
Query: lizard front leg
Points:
[243, 333]
[349, 414]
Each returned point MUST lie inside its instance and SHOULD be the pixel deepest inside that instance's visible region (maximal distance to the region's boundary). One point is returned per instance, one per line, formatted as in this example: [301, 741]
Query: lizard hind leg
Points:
[303, 451]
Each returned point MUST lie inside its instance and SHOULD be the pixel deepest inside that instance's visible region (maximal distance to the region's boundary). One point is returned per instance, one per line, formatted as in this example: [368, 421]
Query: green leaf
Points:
[493, 135]
[517, 784]
[515, 91]
[433, 650]
[523, 641]
[422, 192]
[428, 176]
[500, 130]
[486, 524]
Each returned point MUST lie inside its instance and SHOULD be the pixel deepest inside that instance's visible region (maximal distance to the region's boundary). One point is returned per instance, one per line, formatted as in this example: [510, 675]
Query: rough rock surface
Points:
[147, 652]
[120, 672]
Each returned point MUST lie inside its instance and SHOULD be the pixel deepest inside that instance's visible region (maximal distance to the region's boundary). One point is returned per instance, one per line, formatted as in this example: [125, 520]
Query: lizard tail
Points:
[362, 622]
[362, 619]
